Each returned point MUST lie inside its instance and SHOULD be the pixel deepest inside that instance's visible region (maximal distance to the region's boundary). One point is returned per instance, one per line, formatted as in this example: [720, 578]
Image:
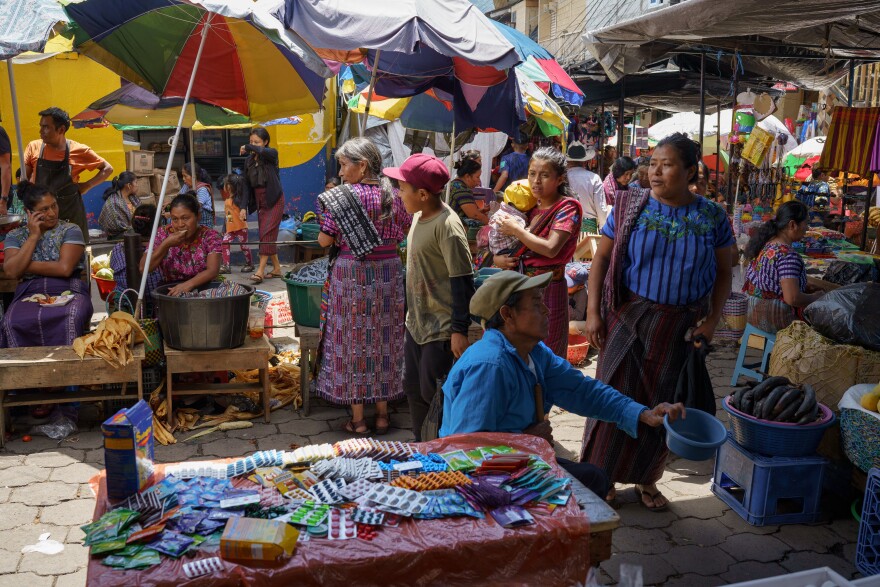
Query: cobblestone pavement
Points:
[698, 541]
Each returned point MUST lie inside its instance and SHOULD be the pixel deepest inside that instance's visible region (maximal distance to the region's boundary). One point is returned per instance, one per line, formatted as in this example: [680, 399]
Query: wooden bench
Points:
[253, 354]
[603, 520]
[39, 367]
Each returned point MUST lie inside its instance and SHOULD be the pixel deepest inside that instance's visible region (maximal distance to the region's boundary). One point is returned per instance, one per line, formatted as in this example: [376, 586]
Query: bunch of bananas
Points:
[874, 216]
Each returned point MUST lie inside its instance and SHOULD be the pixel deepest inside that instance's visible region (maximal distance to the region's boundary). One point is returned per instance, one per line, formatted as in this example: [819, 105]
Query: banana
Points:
[807, 404]
[788, 405]
[770, 402]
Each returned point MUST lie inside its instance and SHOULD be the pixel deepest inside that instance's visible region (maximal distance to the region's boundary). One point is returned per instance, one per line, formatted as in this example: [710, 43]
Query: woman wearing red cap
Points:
[550, 239]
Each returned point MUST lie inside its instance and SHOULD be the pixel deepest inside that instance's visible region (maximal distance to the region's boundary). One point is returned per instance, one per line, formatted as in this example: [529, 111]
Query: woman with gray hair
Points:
[361, 354]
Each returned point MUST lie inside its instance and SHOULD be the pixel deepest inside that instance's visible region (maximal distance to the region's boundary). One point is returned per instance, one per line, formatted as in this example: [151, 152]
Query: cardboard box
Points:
[256, 539]
[140, 162]
[156, 182]
[128, 450]
[143, 187]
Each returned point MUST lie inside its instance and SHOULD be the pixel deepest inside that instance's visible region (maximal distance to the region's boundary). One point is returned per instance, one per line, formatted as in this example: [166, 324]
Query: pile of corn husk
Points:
[111, 340]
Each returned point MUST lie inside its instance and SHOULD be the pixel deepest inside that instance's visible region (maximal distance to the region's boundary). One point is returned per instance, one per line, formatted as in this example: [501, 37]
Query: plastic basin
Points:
[305, 301]
[105, 286]
[778, 439]
[696, 437]
[203, 324]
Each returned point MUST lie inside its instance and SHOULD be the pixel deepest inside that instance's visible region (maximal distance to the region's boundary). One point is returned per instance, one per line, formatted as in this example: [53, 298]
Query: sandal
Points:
[224, 270]
[274, 274]
[654, 508]
[352, 427]
[256, 279]
[380, 430]
[247, 268]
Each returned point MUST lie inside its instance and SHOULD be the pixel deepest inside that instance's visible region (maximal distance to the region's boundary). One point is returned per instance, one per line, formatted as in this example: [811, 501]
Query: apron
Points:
[56, 176]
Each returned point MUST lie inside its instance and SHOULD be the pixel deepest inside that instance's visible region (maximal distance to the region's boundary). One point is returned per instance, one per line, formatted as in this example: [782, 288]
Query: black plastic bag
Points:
[848, 315]
[433, 420]
[847, 273]
[694, 387]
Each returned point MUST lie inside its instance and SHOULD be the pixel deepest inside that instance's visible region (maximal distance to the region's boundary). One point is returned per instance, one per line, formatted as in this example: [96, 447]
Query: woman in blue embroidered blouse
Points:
[663, 263]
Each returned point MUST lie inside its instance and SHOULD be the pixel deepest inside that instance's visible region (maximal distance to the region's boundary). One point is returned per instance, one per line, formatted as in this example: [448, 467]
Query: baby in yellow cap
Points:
[518, 201]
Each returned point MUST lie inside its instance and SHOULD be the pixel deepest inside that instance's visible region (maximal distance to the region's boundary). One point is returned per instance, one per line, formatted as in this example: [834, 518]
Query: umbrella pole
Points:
[192, 78]
[451, 156]
[13, 96]
[370, 92]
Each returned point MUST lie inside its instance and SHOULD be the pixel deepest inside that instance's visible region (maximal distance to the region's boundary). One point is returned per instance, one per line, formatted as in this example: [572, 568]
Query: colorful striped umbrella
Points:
[250, 64]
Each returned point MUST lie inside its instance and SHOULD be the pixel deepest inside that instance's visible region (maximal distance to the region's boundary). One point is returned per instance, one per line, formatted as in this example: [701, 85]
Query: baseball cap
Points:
[422, 171]
[490, 296]
[576, 274]
[519, 195]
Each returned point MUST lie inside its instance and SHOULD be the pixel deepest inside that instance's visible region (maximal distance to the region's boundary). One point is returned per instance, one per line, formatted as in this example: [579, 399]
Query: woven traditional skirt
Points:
[362, 361]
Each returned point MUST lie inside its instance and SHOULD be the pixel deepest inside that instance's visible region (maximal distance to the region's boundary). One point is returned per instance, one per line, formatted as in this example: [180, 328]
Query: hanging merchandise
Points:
[757, 146]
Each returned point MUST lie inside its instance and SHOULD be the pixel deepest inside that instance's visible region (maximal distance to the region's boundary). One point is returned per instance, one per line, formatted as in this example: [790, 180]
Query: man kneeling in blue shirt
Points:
[492, 387]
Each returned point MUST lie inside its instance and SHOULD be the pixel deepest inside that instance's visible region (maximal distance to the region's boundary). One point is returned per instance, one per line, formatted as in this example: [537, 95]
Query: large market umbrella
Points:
[230, 54]
[133, 108]
[541, 67]
[809, 148]
[683, 122]
[25, 26]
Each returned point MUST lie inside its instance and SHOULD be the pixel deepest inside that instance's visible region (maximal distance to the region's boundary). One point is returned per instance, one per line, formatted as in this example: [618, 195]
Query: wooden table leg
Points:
[2, 419]
[140, 383]
[305, 356]
[168, 397]
[264, 379]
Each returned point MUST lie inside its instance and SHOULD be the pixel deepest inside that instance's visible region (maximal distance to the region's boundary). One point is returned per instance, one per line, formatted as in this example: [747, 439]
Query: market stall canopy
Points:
[250, 63]
[780, 32]
[809, 148]
[453, 28]
[689, 123]
[25, 25]
[673, 91]
[133, 108]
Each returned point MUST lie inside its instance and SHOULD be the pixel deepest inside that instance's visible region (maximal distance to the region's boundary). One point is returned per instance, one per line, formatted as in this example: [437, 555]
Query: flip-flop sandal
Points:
[274, 275]
[653, 496]
[351, 427]
[380, 430]
[256, 279]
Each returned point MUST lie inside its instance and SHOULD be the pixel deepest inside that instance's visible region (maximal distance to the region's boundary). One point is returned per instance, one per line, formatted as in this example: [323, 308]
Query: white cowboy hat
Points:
[578, 152]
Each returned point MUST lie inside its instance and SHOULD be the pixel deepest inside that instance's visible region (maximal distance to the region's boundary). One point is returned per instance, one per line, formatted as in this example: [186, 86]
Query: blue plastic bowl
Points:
[696, 437]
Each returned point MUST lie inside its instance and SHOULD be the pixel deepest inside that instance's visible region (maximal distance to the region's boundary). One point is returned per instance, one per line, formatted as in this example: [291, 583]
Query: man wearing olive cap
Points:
[493, 387]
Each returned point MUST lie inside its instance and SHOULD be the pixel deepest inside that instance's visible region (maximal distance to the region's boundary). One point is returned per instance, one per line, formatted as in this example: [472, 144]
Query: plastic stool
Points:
[768, 490]
[748, 370]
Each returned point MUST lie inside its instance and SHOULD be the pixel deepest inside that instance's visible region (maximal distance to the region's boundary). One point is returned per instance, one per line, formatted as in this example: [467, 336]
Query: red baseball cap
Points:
[422, 171]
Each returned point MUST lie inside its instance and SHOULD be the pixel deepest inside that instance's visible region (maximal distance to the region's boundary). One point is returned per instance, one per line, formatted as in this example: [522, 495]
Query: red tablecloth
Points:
[450, 551]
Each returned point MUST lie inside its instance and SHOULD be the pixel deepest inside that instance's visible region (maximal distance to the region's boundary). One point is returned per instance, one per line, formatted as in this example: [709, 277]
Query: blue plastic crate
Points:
[769, 490]
[868, 544]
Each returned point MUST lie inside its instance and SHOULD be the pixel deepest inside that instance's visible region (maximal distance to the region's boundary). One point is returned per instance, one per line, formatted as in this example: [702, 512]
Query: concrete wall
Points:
[560, 26]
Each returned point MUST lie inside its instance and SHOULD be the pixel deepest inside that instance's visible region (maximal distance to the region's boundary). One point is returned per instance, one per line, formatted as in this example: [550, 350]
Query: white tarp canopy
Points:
[780, 30]
[452, 27]
[25, 25]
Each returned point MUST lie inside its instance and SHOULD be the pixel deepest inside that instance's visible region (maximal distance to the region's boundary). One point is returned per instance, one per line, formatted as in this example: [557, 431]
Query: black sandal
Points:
[352, 427]
[380, 430]
[653, 496]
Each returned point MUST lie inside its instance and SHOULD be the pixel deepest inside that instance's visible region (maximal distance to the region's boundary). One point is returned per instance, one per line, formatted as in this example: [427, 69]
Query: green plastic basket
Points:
[305, 301]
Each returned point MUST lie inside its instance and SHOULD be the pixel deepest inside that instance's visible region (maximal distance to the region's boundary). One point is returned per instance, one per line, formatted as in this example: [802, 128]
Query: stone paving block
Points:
[847, 528]
[5, 492]
[8, 561]
[75, 473]
[88, 439]
[281, 442]
[22, 475]
[69, 560]
[10, 460]
[260, 430]
[746, 547]
[96, 456]
[17, 538]
[48, 493]
[304, 427]
[809, 537]
[750, 571]
[13, 515]
[398, 435]
[70, 513]
[60, 457]
[29, 579]
[635, 515]
[226, 447]
[704, 508]
[37, 444]
[323, 412]
[640, 540]
[77, 579]
[85, 492]
[701, 560]
[75, 533]
[698, 532]
[802, 561]
[687, 468]
[655, 569]
[690, 487]
[732, 520]
[173, 453]
[693, 580]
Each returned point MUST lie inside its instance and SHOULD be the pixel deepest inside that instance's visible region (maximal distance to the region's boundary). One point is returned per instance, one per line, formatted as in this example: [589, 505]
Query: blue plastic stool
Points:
[749, 370]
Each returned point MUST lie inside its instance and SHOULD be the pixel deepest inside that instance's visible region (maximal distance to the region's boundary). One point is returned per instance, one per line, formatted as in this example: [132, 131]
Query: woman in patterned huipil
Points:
[663, 262]
[362, 342]
[776, 279]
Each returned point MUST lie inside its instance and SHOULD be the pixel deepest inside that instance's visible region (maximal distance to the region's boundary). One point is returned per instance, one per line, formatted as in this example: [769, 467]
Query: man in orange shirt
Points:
[56, 162]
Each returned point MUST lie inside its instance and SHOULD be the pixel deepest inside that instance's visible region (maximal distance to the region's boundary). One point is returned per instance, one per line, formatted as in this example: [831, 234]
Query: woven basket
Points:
[733, 317]
[859, 430]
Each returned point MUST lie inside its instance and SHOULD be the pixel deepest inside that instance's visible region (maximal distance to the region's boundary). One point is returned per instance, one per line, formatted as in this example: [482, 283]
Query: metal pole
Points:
[370, 92]
[717, 145]
[451, 155]
[731, 147]
[601, 150]
[868, 198]
[702, 97]
[192, 78]
[852, 80]
[620, 116]
[14, 98]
